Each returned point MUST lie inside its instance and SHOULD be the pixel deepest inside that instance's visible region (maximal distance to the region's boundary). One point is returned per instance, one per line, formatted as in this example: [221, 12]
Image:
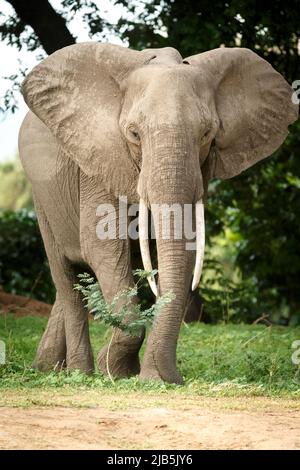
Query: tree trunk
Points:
[49, 26]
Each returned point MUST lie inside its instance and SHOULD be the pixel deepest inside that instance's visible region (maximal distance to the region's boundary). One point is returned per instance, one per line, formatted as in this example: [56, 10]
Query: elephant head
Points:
[157, 128]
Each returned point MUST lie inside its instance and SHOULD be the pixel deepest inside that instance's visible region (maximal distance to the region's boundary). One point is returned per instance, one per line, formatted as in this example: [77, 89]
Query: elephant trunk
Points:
[144, 243]
[168, 195]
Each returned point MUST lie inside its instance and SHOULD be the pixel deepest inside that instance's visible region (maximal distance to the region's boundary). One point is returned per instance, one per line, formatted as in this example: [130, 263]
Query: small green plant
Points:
[123, 312]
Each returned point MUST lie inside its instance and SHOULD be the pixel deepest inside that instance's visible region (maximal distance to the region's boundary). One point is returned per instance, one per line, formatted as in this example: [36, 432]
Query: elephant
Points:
[106, 121]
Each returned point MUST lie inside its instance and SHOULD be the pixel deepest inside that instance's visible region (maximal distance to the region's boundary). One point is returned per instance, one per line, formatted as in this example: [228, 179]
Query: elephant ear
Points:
[254, 106]
[76, 93]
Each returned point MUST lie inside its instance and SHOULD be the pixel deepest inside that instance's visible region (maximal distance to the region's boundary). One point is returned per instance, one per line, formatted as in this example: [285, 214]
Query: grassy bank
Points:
[215, 360]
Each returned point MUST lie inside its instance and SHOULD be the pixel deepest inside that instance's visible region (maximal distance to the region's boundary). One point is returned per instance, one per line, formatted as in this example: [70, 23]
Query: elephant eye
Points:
[206, 134]
[133, 136]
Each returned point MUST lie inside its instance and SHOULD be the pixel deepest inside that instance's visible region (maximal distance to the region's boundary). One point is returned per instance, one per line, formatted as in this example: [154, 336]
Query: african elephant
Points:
[107, 121]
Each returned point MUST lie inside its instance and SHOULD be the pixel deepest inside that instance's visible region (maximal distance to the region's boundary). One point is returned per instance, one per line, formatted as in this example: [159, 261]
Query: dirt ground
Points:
[22, 306]
[133, 422]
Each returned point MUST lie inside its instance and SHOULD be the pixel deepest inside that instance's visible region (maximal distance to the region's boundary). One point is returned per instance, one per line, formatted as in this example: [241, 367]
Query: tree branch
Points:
[48, 25]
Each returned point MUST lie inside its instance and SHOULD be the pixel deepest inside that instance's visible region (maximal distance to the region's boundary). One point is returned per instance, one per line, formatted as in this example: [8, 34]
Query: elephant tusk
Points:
[144, 243]
[200, 243]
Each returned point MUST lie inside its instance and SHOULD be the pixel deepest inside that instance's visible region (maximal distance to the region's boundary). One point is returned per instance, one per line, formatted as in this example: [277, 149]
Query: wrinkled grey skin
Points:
[108, 121]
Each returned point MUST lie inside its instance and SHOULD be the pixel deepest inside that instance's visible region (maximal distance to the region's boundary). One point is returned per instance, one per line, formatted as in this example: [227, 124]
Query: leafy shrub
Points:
[229, 298]
[24, 269]
[114, 315]
[122, 312]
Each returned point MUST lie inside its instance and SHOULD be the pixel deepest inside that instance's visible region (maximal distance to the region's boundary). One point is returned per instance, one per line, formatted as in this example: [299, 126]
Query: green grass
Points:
[215, 360]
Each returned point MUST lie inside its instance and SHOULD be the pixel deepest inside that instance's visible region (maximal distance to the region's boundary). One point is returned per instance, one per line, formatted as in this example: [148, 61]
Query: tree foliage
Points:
[271, 28]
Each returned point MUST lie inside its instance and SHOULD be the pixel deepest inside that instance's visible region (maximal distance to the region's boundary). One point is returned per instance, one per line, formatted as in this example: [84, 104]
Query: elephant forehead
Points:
[164, 55]
[169, 76]
[167, 94]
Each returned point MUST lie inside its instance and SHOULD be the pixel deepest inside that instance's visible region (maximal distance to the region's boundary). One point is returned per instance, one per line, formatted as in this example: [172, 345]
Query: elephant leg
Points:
[120, 357]
[51, 353]
[194, 308]
[79, 350]
[110, 260]
[66, 339]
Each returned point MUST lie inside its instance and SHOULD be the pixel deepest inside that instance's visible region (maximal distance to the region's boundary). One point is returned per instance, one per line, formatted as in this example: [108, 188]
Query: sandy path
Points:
[150, 428]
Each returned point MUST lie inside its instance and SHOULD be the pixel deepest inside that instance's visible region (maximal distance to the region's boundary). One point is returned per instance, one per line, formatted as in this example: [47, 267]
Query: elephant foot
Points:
[49, 359]
[116, 364]
[121, 358]
[51, 352]
[153, 374]
[157, 366]
[81, 360]
[149, 374]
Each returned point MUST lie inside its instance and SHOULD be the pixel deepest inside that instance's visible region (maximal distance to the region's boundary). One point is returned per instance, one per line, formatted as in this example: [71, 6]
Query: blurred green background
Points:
[252, 263]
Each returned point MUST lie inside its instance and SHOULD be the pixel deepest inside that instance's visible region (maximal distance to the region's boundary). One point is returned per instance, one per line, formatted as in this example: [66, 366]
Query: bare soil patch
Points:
[22, 306]
[140, 424]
